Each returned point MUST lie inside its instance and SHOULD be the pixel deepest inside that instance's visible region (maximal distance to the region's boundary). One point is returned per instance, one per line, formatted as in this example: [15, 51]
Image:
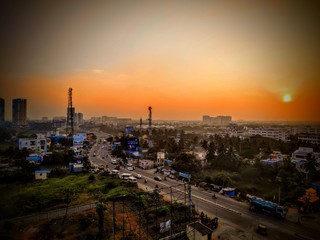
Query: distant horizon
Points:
[181, 120]
[8, 116]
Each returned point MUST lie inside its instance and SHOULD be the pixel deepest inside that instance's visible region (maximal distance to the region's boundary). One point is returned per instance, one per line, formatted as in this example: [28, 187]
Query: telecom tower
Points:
[150, 124]
[150, 120]
[140, 125]
[70, 113]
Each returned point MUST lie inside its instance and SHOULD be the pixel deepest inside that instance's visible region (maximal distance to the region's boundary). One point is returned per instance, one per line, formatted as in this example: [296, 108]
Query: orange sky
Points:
[184, 58]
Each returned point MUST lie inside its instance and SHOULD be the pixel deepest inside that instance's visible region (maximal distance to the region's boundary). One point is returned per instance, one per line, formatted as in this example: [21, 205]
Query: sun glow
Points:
[287, 98]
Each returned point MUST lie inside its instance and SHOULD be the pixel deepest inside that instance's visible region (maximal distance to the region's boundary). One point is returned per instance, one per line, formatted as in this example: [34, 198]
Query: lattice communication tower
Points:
[70, 112]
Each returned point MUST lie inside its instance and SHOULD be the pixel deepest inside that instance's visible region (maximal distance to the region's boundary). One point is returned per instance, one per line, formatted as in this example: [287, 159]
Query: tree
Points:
[186, 163]
[211, 152]
[69, 196]
[289, 181]
[100, 212]
[204, 144]
[311, 166]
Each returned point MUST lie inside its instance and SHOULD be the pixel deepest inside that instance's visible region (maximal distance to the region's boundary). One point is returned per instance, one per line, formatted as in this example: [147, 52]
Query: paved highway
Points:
[235, 213]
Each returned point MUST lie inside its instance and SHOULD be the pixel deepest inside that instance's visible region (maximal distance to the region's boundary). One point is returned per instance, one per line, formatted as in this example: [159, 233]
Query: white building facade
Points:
[40, 144]
[277, 134]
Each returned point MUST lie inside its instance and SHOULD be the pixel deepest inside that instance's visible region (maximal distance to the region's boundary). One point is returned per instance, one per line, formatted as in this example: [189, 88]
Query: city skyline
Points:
[186, 59]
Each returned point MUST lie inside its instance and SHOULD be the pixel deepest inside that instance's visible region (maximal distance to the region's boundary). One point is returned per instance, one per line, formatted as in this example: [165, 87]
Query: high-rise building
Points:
[19, 112]
[218, 120]
[78, 118]
[2, 112]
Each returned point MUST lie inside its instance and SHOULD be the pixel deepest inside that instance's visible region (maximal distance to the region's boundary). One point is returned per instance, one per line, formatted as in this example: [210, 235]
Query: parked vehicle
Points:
[101, 167]
[157, 178]
[125, 176]
[172, 176]
[270, 208]
[114, 161]
[115, 172]
[138, 176]
[132, 179]
[215, 188]
[262, 229]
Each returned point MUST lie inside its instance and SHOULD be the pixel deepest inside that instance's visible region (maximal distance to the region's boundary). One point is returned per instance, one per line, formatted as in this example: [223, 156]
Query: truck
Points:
[270, 208]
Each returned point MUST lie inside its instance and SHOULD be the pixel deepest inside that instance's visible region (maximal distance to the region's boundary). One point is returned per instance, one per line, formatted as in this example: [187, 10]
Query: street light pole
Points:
[279, 181]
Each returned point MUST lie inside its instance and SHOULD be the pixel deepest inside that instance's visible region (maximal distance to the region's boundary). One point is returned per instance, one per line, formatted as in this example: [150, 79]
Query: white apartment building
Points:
[309, 138]
[277, 134]
[299, 157]
[39, 144]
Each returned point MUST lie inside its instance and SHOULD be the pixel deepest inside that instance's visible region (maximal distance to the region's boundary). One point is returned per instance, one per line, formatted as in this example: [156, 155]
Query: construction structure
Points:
[70, 114]
[160, 213]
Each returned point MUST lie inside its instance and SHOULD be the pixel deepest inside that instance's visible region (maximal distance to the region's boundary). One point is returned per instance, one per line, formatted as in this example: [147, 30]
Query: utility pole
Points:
[113, 220]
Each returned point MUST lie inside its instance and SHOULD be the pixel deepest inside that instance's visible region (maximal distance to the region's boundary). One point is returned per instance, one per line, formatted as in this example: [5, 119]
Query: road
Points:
[233, 212]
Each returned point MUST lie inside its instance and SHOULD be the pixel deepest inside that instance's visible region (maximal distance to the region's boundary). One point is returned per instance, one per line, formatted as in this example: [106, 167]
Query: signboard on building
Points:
[132, 144]
[129, 129]
[160, 155]
[185, 175]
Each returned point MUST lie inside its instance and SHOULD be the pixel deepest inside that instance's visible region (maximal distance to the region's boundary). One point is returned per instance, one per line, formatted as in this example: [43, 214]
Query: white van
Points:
[115, 172]
[125, 176]
[132, 179]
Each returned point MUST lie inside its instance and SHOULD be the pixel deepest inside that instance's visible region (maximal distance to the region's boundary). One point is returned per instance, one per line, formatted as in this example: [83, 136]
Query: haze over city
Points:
[251, 60]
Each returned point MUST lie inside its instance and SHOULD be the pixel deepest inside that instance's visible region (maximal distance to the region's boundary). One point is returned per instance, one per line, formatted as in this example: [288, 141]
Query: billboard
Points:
[132, 144]
[79, 138]
[185, 175]
[129, 129]
[115, 144]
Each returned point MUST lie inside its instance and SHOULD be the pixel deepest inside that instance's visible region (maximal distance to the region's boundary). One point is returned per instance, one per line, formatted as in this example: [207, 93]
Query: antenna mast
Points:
[70, 112]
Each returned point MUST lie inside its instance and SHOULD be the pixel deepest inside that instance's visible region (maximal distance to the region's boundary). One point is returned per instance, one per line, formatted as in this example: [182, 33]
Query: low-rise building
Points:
[40, 144]
[309, 138]
[299, 157]
[41, 174]
[198, 231]
[278, 134]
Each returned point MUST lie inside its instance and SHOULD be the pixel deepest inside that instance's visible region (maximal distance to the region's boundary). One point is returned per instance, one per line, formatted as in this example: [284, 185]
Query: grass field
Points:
[24, 198]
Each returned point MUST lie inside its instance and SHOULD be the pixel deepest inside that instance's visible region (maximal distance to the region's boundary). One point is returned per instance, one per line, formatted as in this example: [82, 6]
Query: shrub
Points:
[91, 177]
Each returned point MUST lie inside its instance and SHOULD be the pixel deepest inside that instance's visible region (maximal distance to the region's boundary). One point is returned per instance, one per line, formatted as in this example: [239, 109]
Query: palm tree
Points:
[311, 166]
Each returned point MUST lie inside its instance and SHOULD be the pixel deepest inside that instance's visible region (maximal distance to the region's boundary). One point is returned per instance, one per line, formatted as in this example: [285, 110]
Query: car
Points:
[138, 176]
[262, 229]
[172, 176]
[115, 172]
[130, 168]
[114, 161]
[157, 178]
[101, 167]
[215, 188]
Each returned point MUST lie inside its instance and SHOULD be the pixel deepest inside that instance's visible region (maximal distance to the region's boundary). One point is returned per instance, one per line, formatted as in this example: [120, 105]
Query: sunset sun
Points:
[287, 98]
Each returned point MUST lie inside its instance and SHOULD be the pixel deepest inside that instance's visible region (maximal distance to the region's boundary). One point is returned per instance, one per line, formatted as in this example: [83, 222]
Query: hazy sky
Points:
[248, 59]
